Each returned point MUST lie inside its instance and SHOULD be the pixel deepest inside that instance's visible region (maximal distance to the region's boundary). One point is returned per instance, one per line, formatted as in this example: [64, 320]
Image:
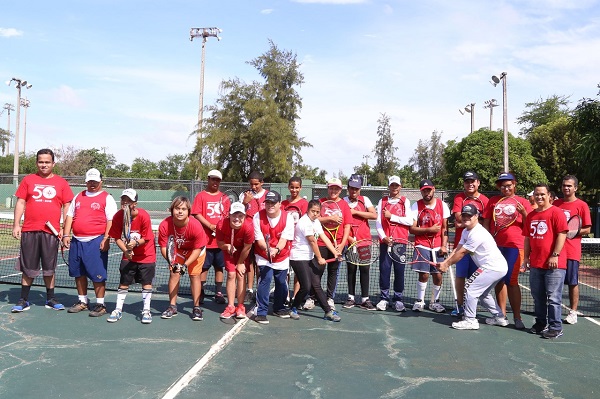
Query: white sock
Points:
[100, 301]
[121, 295]
[364, 299]
[351, 297]
[146, 297]
[436, 292]
[421, 288]
[83, 298]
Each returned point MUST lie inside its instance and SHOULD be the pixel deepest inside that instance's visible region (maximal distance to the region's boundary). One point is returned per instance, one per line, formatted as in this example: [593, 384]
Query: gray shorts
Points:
[36, 247]
[424, 267]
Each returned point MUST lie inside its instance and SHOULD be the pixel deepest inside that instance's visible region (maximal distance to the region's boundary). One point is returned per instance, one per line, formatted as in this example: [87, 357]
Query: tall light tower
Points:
[491, 104]
[25, 104]
[495, 81]
[19, 83]
[366, 157]
[8, 107]
[470, 108]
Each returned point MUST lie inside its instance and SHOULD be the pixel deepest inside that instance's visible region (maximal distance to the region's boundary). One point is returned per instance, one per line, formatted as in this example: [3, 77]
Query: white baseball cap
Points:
[394, 179]
[237, 207]
[215, 173]
[130, 193]
[93, 175]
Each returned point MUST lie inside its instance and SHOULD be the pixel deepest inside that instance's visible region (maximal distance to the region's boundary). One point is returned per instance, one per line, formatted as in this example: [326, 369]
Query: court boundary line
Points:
[214, 350]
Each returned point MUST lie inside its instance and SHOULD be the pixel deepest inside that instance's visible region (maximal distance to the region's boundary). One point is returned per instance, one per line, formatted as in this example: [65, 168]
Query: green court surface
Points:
[49, 354]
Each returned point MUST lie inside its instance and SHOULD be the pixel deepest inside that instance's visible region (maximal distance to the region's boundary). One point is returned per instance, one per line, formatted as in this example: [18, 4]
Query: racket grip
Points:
[51, 227]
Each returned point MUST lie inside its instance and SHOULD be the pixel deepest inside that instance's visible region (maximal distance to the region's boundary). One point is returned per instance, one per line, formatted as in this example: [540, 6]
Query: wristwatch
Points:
[555, 254]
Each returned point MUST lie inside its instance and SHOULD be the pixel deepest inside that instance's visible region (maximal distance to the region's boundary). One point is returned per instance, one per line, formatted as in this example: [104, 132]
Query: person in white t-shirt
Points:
[491, 268]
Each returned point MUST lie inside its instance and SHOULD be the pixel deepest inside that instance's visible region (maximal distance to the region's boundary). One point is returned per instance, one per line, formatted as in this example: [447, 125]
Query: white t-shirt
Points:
[301, 249]
[353, 205]
[287, 233]
[483, 249]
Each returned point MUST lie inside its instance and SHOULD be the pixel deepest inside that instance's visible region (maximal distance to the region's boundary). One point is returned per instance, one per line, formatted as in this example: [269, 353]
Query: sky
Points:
[124, 77]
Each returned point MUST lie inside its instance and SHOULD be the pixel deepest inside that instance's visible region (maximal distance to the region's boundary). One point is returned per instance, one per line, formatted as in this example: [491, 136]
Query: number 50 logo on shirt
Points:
[47, 192]
[538, 227]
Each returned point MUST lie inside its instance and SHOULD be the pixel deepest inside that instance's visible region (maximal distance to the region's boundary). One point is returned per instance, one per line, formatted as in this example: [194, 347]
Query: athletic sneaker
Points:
[572, 317]
[457, 312]
[466, 324]
[99, 310]
[538, 328]
[21, 306]
[261, 319]
[229, 312]
[349, 303]
[197, 314]
[399, 306]
[240, 311]
[382, 305]
[78, 307]
[331, 303]
[146, 316]
[309, 304]
[418, 306]
[114, 316]
[249, 296]
[294, 314]
[170, 312]
[519, 324]
[219, 298]
[496, 321]
[53, 304]
[367, 305]
[551, 334]
[283, 313]
[332, 315]
[436, 307]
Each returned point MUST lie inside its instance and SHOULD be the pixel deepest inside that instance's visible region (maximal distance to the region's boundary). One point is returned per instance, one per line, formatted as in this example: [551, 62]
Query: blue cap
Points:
[505, 176]
[355, 181]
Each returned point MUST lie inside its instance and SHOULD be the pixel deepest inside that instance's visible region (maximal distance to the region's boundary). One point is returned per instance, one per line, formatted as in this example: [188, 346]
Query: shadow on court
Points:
[52, 354]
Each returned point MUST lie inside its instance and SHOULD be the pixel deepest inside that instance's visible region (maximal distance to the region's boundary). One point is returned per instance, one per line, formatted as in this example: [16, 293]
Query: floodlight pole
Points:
[504, 120]
[25, 104]
[8, 107]
[470, 108]
[491, 104]
[366, 157]
[18, 84]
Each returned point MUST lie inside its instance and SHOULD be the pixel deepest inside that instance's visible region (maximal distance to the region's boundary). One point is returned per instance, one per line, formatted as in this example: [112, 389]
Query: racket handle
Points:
[333, 260]
[51, 227]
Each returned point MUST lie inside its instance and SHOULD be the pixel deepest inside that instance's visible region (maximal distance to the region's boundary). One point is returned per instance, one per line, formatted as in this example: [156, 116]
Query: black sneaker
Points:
[99, 310]
[261, 319]
[283, 313]
[552, 334]
[539, 328]
[367, 305]
[349, 303]
[197, 314]
[170, 312]
[78, 307]
[220, 299]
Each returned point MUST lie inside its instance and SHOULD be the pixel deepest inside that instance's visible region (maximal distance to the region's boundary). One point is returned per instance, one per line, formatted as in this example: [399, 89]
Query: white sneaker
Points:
[418, 306]
[466, 324]
[399, 306]
[497, 321]
[309, 304]
[331, 303]
[437, 307]
[382, 305]
[572, 317]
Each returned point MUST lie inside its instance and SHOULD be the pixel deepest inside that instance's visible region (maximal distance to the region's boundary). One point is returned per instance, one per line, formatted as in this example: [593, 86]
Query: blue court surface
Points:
[49, 354]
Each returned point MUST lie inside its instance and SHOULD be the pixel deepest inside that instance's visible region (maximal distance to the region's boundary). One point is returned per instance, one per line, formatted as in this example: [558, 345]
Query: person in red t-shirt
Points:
[90, 218]
[210, 206]
[190, 251]
[571, 206]
[235, 236]
[510, 243]
[138, 264]
[43, 197]
[545, 232]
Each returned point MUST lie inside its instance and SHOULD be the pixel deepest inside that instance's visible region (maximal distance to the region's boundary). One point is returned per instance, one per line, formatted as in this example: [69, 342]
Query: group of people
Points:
[261, 235]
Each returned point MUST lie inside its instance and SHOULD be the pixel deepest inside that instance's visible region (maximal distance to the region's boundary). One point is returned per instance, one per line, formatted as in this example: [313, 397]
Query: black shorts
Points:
[136, 272]
[36, 247]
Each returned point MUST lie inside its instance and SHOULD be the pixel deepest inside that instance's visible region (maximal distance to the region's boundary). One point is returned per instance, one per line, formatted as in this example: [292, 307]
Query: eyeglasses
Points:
[506, 187]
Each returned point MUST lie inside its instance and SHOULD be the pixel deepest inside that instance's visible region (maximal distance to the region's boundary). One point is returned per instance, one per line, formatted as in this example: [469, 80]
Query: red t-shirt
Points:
[542, 228]
[213, 207]
[577, 207]
[90, 214]
[255, 204]
[243, 236]
[347, 220]
[423, 239]
[457, 207]
[296, 209]
[394, 230]
[187, 238]
[360, 226]
[509, 237]
[44, 201]
[141, 227]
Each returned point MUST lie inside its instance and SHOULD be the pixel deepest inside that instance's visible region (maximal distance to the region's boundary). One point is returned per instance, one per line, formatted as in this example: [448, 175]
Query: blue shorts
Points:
[214, 257]
[514, 257]
[465, 267]
[86, 259]
[424, 267]
[572, 275]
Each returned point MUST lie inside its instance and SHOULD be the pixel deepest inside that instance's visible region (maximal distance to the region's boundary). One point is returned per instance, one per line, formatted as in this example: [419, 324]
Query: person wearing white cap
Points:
[89, 219]
[209, 207]
[138, 264]
[45, 196]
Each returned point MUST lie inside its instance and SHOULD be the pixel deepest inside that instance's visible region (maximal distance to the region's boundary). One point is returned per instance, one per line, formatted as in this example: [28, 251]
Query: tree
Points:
[428, 160]
[386, 162]
[172, 167]
[253, 126]
[540, 112]
[5, 137]
[307, 172]
[144, 169]
[481, 152]
[586, 123]
[71, 161]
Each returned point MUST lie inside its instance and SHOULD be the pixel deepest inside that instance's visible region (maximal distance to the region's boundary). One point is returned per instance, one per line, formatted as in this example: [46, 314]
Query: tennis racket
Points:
[452, 283]
[574, 225]
[361, 253]
[331, 208]
[268, 239]
[126, 232]
[397, 209]
[428, 218]
[62, 246]
[295, 212]
[505, 213]
[173, 257]
[475, 202]
[232, 248]
[401, 249]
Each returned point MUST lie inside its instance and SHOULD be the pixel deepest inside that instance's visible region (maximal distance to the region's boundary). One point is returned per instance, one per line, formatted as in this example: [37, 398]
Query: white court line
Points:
[202, 362]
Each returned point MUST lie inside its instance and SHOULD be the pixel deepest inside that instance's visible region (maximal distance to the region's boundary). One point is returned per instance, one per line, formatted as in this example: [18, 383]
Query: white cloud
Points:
[67, 95]
[10, 32]
[266, 11]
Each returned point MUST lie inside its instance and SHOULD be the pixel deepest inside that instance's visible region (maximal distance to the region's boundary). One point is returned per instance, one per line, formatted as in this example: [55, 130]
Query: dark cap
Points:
[272, 196]
[470, 176]
[505, 176]
[426, 183]
[470, 210]
[355, 181]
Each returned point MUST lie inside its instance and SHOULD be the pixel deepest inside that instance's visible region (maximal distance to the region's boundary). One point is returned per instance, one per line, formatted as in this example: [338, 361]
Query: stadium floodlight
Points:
[491, 104]
[25, 103]
[19, 83]
[470, 108]
[495, 81]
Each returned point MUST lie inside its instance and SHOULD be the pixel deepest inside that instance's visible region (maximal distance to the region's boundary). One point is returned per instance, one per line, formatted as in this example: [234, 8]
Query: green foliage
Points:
[5, 136]
[541, 112]
[586, 123]
[481, 151]
[428, 161]
[306, 172]
[386, 162]
[145, 169]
